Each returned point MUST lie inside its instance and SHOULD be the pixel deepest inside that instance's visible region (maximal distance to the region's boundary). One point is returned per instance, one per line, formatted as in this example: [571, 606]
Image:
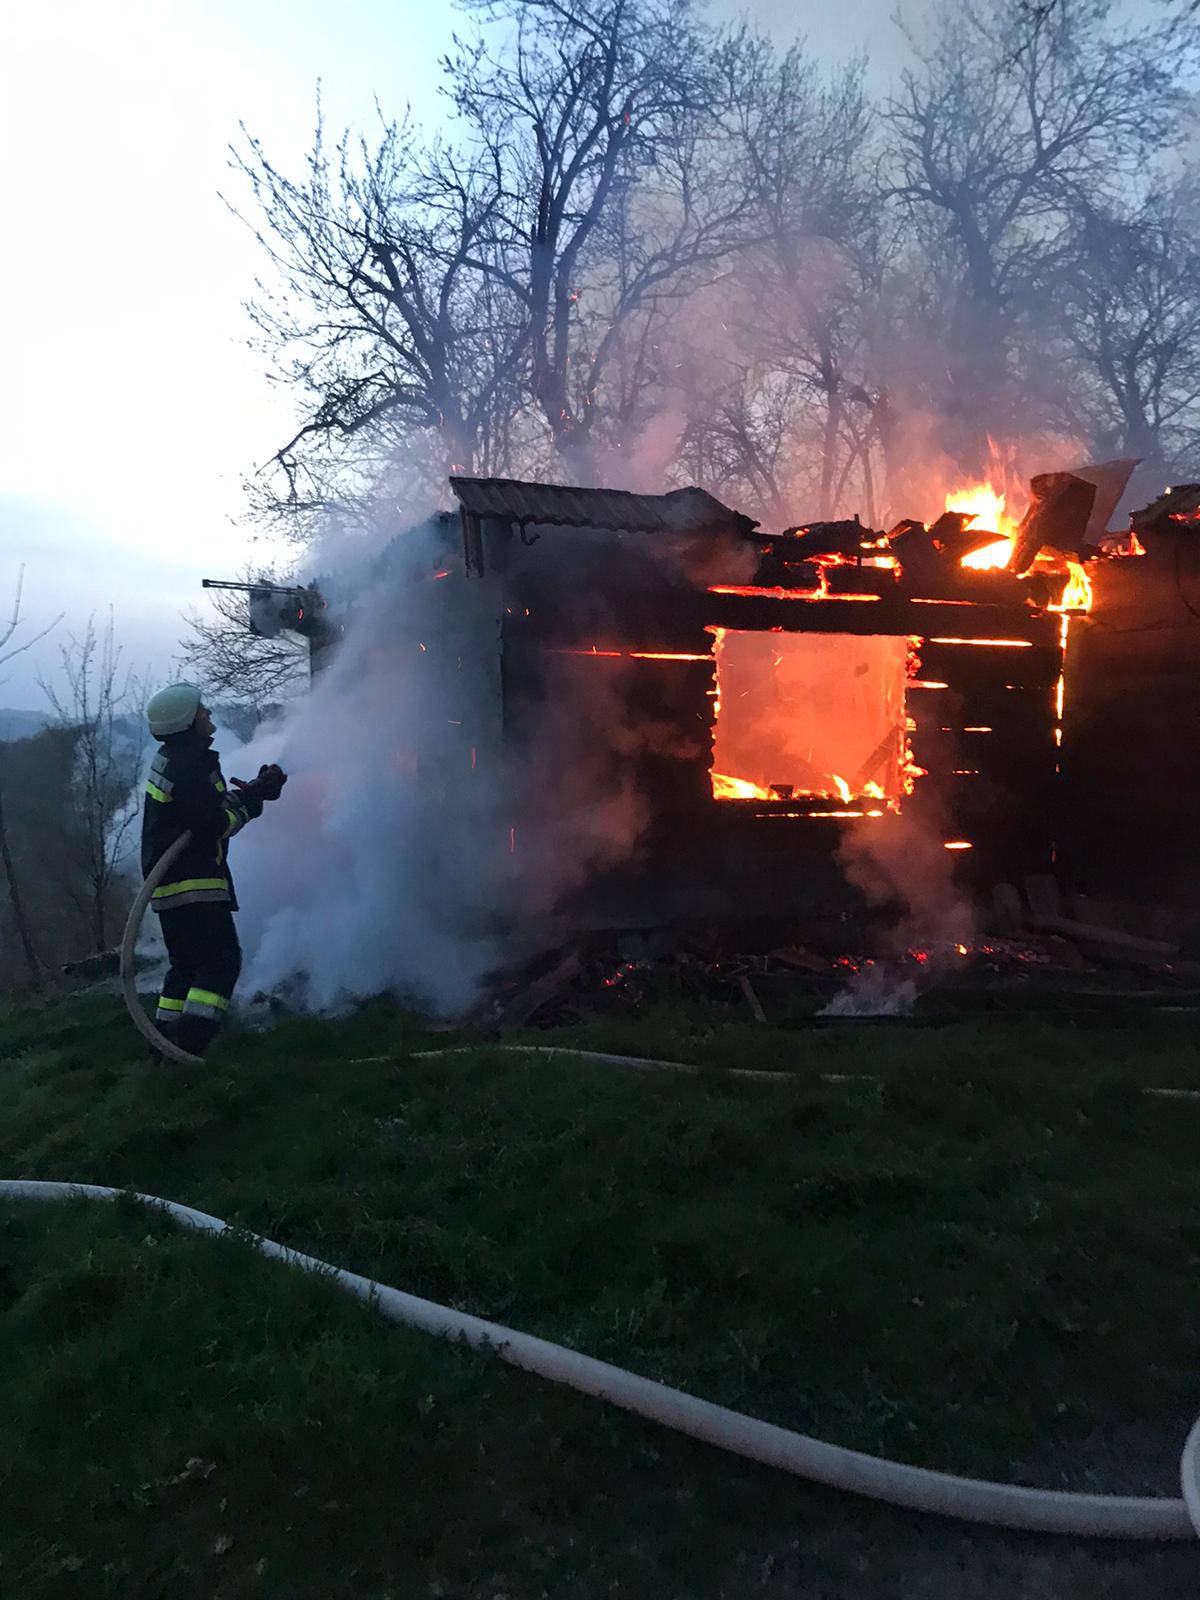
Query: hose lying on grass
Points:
[970, 1499]
[894, 1482]
[129, 940]
[605, 1058]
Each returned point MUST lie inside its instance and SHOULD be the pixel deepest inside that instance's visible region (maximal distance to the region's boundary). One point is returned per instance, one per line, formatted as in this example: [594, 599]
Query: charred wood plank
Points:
[1007, 911]
[892, 614]
[954, 539]
[523, 1007]
[918, 555]
[977, 664]
[820, 539]
[1096, 933]
[752, 999]
[1043, 894]
[978, 619]
[1057, 518]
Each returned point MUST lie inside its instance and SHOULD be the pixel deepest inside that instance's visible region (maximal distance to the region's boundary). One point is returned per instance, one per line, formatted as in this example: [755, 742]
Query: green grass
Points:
[988, 1264]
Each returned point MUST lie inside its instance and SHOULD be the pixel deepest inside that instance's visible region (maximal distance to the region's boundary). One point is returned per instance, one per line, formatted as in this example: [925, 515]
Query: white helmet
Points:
[173, 709]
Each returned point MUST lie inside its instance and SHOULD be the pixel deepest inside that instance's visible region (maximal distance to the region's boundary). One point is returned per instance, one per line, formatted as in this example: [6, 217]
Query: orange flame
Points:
[1077, 596]
[726, 788]
[987, 511]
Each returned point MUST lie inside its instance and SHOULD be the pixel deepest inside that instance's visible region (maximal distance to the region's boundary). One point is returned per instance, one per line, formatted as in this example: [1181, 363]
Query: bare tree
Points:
[1132, 297]
[1017, 113]
[103, 707]
[379, 320]
[606, 122]
[8, 652]
[814, 271]
[650, 233]
[743, 437]
[480, 295]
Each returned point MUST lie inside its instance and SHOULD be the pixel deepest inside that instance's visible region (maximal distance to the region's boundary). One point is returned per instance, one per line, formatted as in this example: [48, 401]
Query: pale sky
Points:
[130, 409]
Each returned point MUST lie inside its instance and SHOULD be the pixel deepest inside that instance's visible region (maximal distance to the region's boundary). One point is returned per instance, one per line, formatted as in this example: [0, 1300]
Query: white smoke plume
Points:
[905, 871]
[383, 870]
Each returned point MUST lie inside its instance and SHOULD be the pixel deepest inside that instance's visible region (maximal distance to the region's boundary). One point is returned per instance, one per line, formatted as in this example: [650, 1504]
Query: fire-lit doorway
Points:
[809, 715]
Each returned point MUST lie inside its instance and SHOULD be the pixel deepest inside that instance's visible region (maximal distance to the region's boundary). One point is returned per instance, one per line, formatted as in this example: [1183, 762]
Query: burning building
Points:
[688, 715]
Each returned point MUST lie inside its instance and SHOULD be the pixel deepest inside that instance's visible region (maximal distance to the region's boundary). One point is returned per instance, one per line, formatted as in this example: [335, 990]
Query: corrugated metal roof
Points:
[560, 505]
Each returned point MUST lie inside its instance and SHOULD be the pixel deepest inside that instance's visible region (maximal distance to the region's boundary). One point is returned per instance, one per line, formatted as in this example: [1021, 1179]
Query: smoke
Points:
[904, 870]
[430, 828]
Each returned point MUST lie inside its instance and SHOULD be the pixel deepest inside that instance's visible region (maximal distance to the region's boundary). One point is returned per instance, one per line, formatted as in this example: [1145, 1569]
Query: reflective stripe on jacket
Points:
[185, 790]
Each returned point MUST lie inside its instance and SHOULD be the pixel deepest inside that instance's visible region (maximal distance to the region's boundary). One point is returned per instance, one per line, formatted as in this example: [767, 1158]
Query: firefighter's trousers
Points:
[205, 959]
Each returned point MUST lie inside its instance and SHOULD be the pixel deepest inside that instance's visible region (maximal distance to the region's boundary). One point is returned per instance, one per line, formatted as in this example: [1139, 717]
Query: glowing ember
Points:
[665, 655]
[958, 844]
[759, 593]
[987, 511]
[752, 591]
[1010, 644]
[629, 655]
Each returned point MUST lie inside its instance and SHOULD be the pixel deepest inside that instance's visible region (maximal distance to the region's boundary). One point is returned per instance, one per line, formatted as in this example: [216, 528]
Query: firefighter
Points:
[185, 790]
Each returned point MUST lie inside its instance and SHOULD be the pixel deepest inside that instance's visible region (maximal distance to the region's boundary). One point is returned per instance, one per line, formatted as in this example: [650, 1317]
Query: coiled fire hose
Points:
[133, 924]
[893, 1482]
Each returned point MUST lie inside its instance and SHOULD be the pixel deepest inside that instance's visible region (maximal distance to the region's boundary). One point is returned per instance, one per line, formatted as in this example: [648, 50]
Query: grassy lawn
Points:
[987, 1263]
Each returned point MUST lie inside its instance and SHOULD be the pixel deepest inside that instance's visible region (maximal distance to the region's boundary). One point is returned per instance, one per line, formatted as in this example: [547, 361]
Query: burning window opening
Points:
[810, 716]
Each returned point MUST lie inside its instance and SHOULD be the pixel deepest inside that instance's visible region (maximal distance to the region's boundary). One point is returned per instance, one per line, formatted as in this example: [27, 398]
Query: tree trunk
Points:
[99, 921]
[14, 895]
[829, 444]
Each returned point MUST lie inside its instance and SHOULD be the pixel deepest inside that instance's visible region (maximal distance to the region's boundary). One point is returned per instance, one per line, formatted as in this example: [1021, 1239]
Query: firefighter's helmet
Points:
[173, 709]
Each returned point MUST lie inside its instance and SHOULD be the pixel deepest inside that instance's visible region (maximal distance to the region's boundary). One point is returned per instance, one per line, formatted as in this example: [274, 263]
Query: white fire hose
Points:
[969, 1499]
[133, 924]
[893, 1482]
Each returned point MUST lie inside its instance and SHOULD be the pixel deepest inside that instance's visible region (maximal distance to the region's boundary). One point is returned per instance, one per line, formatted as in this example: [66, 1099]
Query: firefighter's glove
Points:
[270, 781]
[267, 786]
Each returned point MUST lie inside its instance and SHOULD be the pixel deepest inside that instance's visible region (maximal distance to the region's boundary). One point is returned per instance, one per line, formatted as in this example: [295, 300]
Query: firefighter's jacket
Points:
[185, 790]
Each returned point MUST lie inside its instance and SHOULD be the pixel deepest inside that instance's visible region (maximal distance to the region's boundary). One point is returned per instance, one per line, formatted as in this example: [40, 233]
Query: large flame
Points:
[726, 788]
[987, 510]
